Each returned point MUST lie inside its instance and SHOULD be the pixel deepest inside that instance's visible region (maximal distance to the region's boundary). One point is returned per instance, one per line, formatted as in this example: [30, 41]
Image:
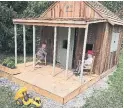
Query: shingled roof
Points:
[104, 12]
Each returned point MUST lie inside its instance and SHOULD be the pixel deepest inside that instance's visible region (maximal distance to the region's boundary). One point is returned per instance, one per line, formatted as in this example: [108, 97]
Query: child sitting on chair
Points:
[89, 59]
[87, 62]
[41, 54]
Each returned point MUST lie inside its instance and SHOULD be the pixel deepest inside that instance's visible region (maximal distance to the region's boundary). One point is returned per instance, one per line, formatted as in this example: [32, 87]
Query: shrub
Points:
[9, 62]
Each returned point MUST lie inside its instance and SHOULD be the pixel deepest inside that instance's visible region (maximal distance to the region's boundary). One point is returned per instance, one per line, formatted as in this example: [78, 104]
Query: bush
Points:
[9, 62]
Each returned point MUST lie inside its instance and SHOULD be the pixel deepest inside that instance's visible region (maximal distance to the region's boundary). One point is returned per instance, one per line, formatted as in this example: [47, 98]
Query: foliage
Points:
[114, 6]
[20, 58]
[113, 96]
[9, 62]
[7, 13]
[34, 9]
[17, 9]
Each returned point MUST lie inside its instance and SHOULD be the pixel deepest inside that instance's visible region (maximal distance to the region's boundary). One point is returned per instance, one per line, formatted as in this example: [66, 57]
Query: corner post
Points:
[83, 53]
[54, 55]
[15, 31]
[68, 48]
[33, 45]
[24, 44]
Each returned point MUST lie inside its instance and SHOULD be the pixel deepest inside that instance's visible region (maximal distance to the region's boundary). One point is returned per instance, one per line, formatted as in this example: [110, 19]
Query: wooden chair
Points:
[90, 68]
[87, 68]
[39, 61]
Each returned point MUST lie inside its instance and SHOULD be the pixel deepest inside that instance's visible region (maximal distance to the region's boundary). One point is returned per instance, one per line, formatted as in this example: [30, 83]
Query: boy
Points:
[41, 54]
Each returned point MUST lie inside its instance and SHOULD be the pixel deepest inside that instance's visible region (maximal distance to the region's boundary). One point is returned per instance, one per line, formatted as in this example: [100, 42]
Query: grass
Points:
[20, 57]
[111, 97]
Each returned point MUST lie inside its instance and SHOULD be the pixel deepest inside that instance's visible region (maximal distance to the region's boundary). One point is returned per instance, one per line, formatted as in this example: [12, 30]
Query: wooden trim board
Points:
[50, 95]
[9, 70]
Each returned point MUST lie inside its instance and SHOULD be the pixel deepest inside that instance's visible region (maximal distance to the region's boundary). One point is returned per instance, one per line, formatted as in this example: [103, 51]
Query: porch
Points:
[52, 81]
[41, 80]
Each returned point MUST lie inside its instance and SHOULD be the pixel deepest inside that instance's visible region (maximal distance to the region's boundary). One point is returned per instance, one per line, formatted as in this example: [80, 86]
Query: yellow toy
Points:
[22, 98]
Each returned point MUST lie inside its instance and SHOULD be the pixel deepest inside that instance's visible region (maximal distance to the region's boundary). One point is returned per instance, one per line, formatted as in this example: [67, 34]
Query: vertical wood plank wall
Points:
[47, 35]
[78, 46]
[70, 9]
[104, 58]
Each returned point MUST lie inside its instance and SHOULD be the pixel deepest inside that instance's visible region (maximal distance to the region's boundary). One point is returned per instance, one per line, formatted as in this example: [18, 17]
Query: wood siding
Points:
[70, 9]
[104, 58]
[47, 35]
[78, 46]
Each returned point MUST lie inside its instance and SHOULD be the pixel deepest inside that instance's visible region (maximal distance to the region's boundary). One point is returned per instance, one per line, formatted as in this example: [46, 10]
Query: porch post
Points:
[68, 48]
[54, 55]
[24, 44]
[15, 31]
[83, 54]
[33, 45]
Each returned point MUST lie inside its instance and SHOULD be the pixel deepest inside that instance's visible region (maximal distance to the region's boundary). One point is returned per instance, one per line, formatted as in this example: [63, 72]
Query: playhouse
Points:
[70, 29]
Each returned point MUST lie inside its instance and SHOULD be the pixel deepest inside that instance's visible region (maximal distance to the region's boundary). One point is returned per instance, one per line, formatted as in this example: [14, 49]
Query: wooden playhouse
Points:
[69, 28]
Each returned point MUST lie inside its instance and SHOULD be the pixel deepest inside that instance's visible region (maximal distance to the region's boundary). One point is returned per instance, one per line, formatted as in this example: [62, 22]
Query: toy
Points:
[22, 98]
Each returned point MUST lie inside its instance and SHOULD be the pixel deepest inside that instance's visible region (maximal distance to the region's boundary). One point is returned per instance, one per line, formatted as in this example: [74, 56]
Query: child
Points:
[41, 54]
[89, 60]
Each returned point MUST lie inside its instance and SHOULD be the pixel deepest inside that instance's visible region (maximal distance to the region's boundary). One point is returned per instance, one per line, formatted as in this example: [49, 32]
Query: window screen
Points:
[114, 41]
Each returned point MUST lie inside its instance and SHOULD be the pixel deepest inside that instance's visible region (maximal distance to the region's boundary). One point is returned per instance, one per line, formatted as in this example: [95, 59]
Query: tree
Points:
[18, 9]
[114, 6]
[7, 13]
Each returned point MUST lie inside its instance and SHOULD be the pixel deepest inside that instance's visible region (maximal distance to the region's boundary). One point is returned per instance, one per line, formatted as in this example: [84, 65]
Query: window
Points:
[64, 44]
[114, 41]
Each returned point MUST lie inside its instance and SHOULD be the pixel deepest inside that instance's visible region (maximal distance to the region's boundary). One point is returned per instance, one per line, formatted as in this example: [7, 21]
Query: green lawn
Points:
[111, 97]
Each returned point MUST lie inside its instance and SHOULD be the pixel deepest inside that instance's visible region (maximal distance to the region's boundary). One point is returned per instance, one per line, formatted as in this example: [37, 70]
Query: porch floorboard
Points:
[41, 77]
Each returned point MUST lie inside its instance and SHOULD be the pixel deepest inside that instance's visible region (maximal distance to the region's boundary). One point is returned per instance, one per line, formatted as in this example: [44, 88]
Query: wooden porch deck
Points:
[58, 87]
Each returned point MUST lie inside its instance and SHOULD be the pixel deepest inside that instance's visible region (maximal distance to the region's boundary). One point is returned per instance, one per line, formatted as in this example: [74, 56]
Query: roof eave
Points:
[72, 24]
[115, 23]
